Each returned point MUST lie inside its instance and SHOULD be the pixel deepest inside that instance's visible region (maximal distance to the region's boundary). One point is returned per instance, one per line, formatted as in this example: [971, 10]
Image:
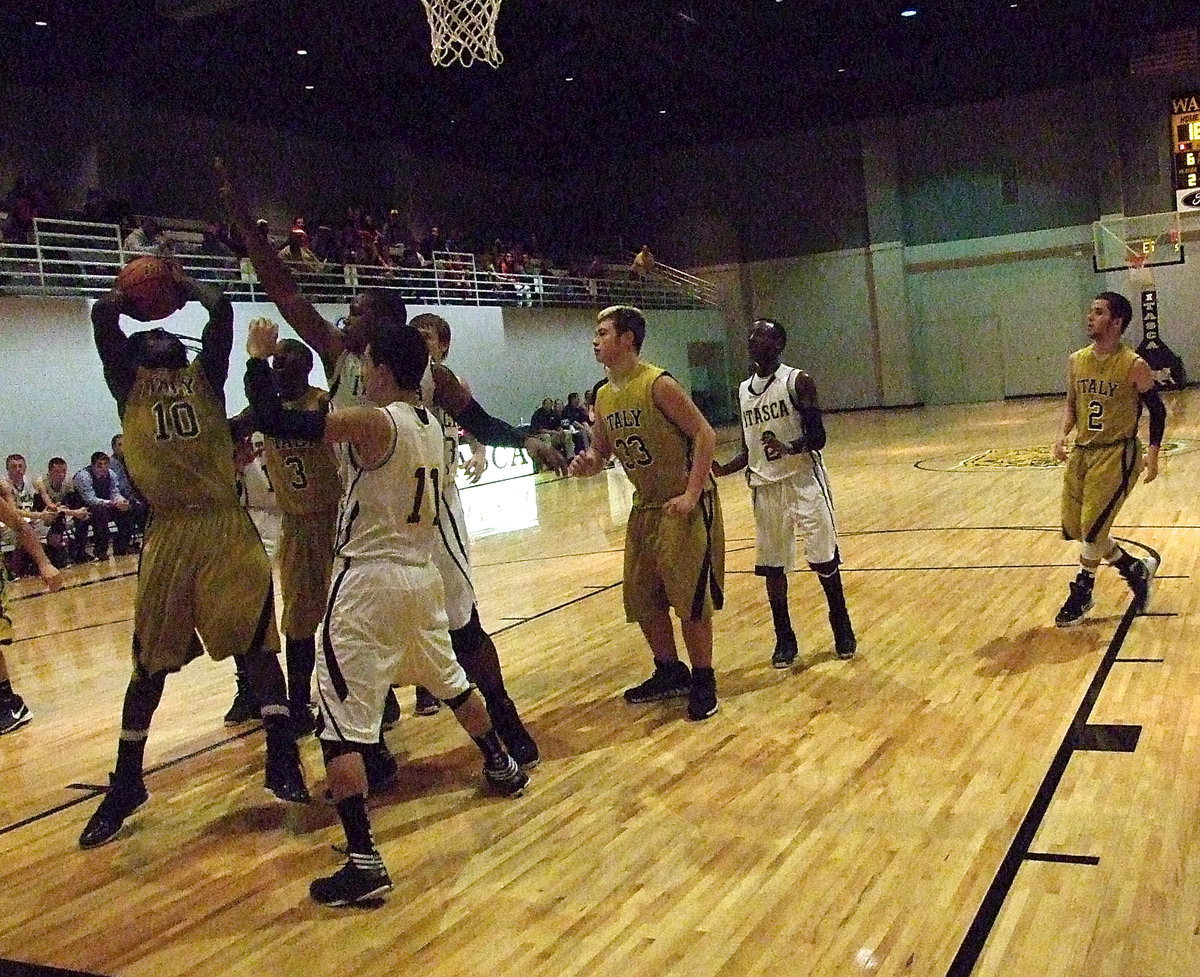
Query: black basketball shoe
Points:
[1079, 601]
[121, 800]
[671, 680]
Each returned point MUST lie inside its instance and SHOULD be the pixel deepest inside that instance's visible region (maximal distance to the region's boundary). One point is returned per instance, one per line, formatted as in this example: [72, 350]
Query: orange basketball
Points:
[149, 284]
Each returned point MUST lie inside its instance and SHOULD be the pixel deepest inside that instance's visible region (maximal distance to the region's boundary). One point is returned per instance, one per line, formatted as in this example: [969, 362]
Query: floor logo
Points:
[1037, 456]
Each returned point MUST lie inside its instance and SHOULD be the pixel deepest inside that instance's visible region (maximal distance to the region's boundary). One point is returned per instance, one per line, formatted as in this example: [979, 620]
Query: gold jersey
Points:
[656, 455]
[178, 448]
[304, 474]
[1108, 404]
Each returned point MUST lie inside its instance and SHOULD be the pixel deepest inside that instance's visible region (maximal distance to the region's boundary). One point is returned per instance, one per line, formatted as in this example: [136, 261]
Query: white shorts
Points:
[452, 557]
[798, 506]
[385, 624]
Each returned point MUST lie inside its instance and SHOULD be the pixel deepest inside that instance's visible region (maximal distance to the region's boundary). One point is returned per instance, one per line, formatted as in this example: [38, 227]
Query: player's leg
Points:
[352, 679]
[811, 505]
[1079, 595]
[13, 712]
[428, 659]
[1115, 474]
[305, 570]
[235, 615]
[127, 790]
[646, 605]
[692, 569]
[774, 554]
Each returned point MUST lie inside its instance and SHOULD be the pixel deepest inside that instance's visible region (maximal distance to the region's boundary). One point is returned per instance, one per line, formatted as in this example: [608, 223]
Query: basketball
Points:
[149, 283]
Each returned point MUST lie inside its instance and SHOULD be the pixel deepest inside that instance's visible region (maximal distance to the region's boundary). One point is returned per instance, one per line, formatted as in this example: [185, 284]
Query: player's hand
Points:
[585, 463]
[1060, 449]
[476, 465]
[1150, 466]
[546, 454]
[773, 447]
[262, 339]
[681, 506]
[122, 505]
[51, 576]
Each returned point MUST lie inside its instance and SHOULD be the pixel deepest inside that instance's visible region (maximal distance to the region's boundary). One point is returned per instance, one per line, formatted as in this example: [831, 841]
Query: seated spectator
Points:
[297, 255]
[105, 504]
[298, 228]
[149, 237]
[325, 245]
[547, 424]
[138, 506]
[643, 264]
[432, 242]
[20, 493]
[56, 494]
[216, 241]
[581, 427]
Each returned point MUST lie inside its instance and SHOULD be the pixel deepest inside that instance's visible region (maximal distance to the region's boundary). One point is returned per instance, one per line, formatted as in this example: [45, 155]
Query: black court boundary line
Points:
[15, 968]
[96, 792]
[599, 589]
[1036, 856]
[74, 586]
[993, 901]
[82, 627]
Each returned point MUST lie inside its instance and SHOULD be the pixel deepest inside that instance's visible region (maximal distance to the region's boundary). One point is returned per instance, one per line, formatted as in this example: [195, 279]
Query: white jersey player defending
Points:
[782, 438]
[385, 538]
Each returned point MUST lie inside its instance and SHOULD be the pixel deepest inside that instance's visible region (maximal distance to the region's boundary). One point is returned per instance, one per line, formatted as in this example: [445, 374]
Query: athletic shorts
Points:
[1095, 486]
[385, 626]
[205, 572]
[801, 505]
[676, 563]
[452, 557]
[305, 569]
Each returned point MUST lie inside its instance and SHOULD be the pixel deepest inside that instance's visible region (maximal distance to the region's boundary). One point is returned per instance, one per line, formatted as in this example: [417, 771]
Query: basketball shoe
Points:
[671, 680]
[702, 696]
[361, 879]
[1140, 577]
[506, 777]
[13, 714]
[391, 710]
[284, 776]
[785, 651]
[243, 709]
[1079, 601]
[512, 732]
[121, 800]
[427, 703]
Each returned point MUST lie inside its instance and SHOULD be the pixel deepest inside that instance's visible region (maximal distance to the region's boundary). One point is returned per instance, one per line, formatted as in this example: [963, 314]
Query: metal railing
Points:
[82, 259]
[680, 279]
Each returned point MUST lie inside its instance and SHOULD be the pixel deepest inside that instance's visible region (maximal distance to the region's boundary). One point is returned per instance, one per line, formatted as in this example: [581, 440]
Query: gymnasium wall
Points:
[57, 403]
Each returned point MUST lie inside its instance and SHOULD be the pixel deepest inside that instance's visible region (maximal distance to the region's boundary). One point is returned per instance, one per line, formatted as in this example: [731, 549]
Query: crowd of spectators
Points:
[568, 427]
[97, 507]
[390, 242]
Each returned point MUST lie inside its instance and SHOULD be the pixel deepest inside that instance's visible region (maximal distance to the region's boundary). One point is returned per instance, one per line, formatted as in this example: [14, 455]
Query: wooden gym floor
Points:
[977, 792]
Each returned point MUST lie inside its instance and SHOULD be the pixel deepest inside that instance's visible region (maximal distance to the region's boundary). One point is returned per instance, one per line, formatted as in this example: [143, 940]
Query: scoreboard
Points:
[1185, 132]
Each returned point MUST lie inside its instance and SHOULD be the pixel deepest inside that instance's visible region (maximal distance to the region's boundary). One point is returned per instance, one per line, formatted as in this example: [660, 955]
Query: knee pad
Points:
[459, 699]
[828, 568]
[332, 749]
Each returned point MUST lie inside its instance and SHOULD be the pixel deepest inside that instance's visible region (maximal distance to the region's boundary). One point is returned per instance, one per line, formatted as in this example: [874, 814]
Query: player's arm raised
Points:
[367, 428]
[679, 409]
[1143, 379]
[299, 311]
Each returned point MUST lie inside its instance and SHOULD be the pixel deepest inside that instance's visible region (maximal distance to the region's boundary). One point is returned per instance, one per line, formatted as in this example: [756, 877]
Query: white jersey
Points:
[768, 404]
[390, 511]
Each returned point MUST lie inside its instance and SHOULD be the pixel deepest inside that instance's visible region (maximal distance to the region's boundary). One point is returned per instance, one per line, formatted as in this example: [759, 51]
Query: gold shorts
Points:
[202, 572]
[305, 568]
[678, 563]
[1096, 484]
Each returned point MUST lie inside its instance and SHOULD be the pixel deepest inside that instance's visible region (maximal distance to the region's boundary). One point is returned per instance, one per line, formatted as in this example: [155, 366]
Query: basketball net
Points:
[463, 31]
[1139, 274]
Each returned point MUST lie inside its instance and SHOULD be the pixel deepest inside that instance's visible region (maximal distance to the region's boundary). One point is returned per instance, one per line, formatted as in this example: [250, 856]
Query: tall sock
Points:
[781, 619]
[839, 614]
[353, 813]
[6, 690]
[301, 655]
[492, 749]
[142, 697]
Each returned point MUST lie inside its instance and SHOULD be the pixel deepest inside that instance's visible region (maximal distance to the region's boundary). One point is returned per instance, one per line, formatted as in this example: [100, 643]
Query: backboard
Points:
[1122, 243]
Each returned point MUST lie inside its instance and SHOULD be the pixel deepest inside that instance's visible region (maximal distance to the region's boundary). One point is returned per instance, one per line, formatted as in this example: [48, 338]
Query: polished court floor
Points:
[977, 792]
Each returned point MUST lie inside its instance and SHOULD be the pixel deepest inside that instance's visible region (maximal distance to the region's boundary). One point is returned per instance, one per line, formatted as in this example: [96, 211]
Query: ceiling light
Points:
[570, 78]
[841, 71]
[301, 51]
[662, 111]
[910, 12]
[39, 23]
[309, 88]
